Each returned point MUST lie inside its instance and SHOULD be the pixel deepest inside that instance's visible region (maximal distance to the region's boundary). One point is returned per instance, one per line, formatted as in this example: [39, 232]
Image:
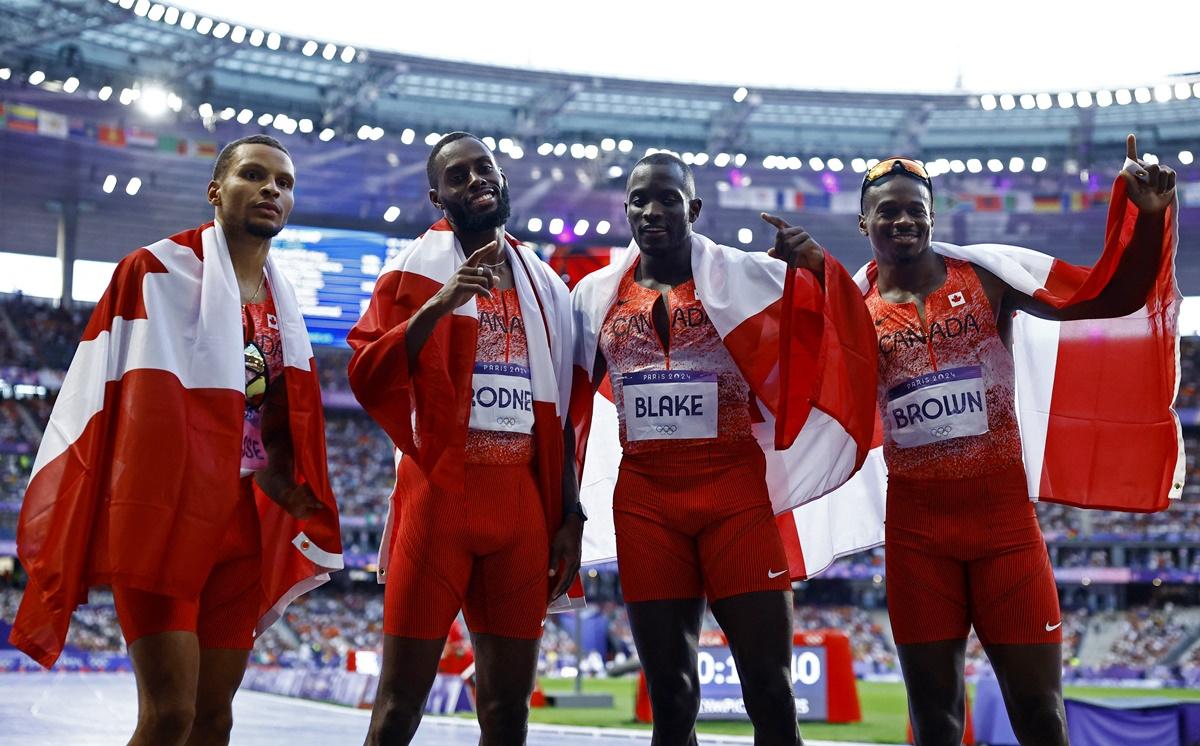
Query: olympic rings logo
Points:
[942, 431]
[506, 421]
[666, 429]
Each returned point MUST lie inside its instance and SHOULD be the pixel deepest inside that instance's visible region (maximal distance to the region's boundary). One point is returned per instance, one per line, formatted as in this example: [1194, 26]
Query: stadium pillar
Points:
[68, 232]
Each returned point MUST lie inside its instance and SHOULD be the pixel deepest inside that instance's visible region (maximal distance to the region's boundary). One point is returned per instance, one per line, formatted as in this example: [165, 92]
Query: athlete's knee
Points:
[503, 721]
[212, 725]
[393, 721]
[164, 723]
[1040, 720]
[771, 706]
[675, 700]
[939, 727]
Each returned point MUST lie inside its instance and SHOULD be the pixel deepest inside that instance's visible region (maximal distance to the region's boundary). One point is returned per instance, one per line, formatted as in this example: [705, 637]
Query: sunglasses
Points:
[890, 166]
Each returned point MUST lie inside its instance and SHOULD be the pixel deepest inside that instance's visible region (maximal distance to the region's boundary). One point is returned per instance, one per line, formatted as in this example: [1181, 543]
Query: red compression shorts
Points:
[695, 522]
[968, 552]
[225, 614]
[483, 550]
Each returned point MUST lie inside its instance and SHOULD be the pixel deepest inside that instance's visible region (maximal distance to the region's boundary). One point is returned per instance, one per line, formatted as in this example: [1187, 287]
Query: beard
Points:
[468, 222]
[261, 230]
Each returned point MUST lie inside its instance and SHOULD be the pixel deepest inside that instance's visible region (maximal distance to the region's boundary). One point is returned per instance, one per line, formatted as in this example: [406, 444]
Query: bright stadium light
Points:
[615, 172]
[1162, 93]
[490, 142]
[70, 84]
[133, 186]
[273, 40]
[560, 149]
[1065, 100]
[1142, 95]
[310, 48]
[187, 21]
[256, 37]
[835, 164]
[1016, 164]
[625, 146]
[1028, 101]
[204, 25]
[796, 164]
[306, 125]
[157, 11]
[408, 135]
[745, 235]
[229, 113]
[701, 159]
[238, 35]
[432, 138]
[987, 101]
[376, 133]
[504, 144]
[545, 148]
[348, 54]
[740, 95]
[329, 51]
[103, 94]
[1123, 96]
[1104, 98]
[858, 165]
[1196, 89]
[265, 118]
[556, 226]
[995, 165]
[974, 165]
[872, 162]
[126, 4]
[1150, 158]
[1007, 102]
[608, 145]
[171, 17]
[957, 166]
[205, 110]
[721, 160]
[534, 225]
[591, 152]
[391, 214]
[1185, 157]
[816, 163]
[576, 150]
[689, 158]
[1183, 91]
[769, 161]
[110, 183]
[36, 77]
[6, 73]
[1083, 99]
[220, 30]
[244, 116]
[603, 227]
[1038, 164]
[153, 101]
[1044, 101]
[581, 227]
[142, 8]
[739, 160]
[326, 135]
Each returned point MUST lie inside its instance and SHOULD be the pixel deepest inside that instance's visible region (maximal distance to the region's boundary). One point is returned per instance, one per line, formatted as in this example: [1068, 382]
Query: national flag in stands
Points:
[160, 365]
[140, 137]
[203, 148]
[23, 118]
[52, 124]
[809, 355]
[1047, 203]
[81, 127]
[111, 135]
[168, 144]
[988, 203]
[816, 201]
[1075, 201]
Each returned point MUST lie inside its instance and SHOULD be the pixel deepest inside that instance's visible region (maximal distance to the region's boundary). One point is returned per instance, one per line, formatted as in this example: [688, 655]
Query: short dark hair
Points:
[430, 168]
[222, 163]
[669, 159]
[866, 187]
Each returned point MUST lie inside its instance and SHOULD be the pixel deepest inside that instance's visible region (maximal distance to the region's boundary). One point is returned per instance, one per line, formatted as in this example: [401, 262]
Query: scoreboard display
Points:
[721, 687]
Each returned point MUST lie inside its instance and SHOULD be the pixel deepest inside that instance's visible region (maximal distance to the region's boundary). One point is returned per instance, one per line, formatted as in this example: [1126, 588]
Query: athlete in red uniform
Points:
[484, 540]
[692, 513]
[962, 539]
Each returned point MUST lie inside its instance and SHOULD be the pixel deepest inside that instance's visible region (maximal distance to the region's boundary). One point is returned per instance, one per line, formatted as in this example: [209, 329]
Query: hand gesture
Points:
[794, 246]
[297, 499]
[472, 278]
[1152, 187]
[565, 553]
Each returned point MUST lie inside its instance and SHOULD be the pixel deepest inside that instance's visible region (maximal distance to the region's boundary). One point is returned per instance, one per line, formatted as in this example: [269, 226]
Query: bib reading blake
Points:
[938, 406]
[501, 398]
[669, 404]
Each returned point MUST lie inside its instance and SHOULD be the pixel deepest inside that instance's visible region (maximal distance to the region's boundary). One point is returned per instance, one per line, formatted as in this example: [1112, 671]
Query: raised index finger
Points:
[477, 256]
[779, 223]
[1131, 146]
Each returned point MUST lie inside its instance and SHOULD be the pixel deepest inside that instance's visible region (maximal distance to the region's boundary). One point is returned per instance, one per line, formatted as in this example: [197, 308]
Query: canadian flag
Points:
[809, 356]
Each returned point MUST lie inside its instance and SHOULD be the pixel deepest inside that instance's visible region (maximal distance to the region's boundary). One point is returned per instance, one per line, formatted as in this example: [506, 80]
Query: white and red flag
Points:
[426, 412]
[138, 471]
[1094, 397]
[817, 394]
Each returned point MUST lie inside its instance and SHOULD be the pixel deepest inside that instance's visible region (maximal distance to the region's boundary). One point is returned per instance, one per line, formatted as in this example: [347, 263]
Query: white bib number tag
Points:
[938, 406]
[501, 398]
[670, 404]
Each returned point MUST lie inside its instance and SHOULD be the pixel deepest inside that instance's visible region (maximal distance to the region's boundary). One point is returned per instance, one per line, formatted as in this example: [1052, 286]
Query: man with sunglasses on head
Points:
[963, 545]
[184, 462]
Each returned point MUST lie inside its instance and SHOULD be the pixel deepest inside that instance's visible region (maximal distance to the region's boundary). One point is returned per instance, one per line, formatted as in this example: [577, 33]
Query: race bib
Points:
[501, 398]
[670, 404]
[254, 453]
[938, 406]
